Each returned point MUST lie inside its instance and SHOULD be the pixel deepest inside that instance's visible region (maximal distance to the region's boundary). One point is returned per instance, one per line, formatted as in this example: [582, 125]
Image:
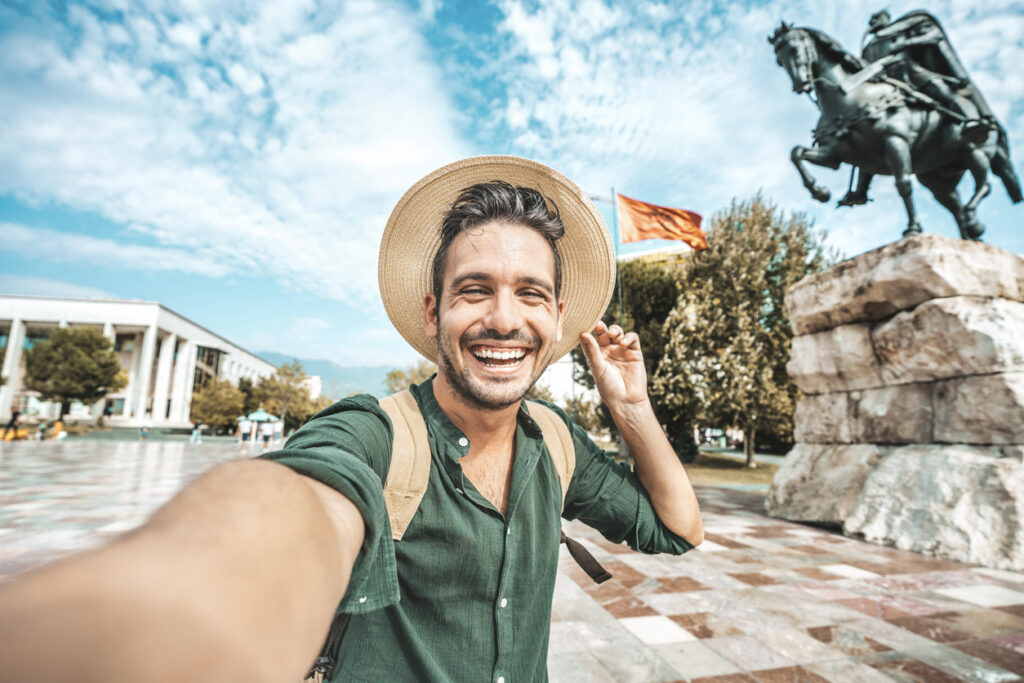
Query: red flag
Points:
[642, 221]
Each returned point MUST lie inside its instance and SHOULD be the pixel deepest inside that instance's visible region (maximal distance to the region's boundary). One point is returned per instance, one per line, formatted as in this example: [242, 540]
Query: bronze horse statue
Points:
[882, 126]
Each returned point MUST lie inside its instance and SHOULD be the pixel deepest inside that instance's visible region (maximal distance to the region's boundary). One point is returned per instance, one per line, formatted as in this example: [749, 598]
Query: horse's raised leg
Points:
[897, 154]
[816, 155]
[978, 164]
[943, 187]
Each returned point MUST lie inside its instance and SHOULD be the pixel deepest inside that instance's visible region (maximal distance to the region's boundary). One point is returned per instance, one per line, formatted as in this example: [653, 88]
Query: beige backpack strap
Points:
[409, 472]
[559, 442]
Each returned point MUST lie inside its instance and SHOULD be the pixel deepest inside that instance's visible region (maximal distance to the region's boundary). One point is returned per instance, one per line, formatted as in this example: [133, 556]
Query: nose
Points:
[504, 315]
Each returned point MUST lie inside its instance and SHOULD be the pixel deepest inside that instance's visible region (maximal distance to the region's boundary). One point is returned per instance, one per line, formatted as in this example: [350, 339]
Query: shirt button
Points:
[504, 601]
[501, 679]
[362, 600]
[463, 442]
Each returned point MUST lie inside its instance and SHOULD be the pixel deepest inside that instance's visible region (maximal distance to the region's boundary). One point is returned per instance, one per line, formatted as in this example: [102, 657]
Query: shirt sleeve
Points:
[348, 447]
[608, 496]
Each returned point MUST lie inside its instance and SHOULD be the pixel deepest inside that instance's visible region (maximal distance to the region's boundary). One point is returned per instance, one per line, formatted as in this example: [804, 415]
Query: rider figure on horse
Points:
[920, 60]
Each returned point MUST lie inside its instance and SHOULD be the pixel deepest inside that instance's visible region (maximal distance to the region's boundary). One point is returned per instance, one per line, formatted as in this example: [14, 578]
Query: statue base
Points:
[911, 432]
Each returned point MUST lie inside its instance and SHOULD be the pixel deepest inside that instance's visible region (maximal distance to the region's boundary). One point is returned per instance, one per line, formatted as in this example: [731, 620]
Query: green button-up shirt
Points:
[466, 594]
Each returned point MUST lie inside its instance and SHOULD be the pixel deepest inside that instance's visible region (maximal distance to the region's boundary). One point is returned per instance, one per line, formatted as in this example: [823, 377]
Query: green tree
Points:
[74, 364]
[250, 401]
[728, 337]
[286, 394]
[649, 293]
[217, 403]
[399, 379]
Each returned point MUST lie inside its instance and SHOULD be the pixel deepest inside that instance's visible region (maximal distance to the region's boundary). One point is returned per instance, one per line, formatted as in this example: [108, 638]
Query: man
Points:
[253, 559]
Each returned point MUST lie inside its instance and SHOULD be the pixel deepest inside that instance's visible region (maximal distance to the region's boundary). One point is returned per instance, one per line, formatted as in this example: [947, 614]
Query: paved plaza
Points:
[760, 600]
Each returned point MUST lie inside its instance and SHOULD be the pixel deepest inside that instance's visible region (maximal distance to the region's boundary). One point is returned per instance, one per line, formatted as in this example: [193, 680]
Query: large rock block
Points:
[887, 415]
[821, 483]
[984, 409]
[839, 359]
[899, 276]
[949, 501]
[946, 338]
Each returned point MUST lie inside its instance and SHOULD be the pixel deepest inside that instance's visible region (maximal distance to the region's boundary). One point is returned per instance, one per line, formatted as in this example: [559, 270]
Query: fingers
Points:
[614, 335]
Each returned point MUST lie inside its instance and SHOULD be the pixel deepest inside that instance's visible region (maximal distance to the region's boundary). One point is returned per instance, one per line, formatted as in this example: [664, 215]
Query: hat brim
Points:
[413, 235]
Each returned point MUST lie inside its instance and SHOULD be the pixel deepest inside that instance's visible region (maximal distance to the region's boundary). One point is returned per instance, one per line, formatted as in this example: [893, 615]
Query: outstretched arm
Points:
[236, 578]
[617, 364]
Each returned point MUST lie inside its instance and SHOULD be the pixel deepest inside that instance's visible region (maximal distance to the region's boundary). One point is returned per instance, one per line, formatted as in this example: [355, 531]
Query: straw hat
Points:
[413, 236]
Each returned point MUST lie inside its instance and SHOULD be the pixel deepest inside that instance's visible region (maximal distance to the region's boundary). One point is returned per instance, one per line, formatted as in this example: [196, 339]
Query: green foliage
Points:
[218, 403]
[728, 337]
[649, 293]
[74, 364]
[586, 414]
[399, 379]
[250, 401]
[286, 395]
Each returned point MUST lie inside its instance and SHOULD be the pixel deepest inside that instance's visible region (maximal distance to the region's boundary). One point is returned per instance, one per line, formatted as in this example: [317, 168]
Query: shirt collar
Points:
[446, 429]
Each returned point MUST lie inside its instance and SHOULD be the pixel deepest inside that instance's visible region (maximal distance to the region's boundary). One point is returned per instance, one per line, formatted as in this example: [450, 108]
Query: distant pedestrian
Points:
[12, 425]
[266, 431]
[42, 430]
[278, 431]
[244, 433]
[197, 432]
[143, 432]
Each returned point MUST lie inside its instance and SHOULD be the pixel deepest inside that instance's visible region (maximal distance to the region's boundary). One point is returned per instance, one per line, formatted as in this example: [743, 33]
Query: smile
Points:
[499, 358]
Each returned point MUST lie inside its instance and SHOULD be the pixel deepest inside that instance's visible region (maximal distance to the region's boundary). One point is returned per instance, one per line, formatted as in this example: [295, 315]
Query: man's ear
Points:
[561, 317]
[430, 316]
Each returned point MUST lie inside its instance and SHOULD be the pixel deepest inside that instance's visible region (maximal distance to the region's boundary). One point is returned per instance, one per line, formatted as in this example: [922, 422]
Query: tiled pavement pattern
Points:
[766, 600]
[760, 600]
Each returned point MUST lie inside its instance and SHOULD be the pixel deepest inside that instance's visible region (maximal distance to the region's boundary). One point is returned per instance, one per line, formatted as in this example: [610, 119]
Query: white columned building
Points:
[165, 356]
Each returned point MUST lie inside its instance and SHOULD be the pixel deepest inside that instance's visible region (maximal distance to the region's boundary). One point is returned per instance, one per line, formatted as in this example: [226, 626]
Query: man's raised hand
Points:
[617, 363]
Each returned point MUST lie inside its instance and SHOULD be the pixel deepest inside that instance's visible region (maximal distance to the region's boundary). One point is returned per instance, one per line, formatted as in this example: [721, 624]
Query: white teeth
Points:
[500, 355]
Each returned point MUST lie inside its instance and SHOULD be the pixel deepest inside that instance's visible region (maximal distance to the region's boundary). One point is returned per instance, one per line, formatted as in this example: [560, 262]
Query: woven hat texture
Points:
[413, 235]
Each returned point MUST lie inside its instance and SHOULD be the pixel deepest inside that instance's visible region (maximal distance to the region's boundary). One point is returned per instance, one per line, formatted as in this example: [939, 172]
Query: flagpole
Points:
[618, 241]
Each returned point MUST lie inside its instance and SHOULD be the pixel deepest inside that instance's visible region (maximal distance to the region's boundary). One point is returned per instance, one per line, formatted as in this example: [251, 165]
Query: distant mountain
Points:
[338, 380]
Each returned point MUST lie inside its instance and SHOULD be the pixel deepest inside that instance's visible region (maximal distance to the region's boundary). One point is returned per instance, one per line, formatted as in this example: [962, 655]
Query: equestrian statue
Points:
[905, 107]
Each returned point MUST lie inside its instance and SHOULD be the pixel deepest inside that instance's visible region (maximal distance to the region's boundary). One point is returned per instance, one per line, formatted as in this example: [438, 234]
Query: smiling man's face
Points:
[498, 319]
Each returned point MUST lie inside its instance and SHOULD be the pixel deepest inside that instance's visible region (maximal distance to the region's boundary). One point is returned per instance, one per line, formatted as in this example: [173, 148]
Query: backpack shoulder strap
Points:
[559, 442]
[409, 471]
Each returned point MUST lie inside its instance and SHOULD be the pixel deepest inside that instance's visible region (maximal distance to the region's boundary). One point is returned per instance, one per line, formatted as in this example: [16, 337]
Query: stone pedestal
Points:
[911, 432]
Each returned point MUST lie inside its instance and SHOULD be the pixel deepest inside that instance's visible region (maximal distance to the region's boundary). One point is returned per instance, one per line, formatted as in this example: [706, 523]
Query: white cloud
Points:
[43, 243]
[41, 286]
[689, 108]
[277, 143]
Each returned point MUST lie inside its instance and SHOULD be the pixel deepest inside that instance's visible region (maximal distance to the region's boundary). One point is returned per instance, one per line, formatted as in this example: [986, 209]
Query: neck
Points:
[484, 428]
[826, 87]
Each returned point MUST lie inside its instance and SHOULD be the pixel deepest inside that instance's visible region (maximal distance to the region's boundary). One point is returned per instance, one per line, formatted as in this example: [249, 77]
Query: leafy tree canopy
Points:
[728, 336]
[399, 379]
[74, 364]
[286, 394]
[217, 403]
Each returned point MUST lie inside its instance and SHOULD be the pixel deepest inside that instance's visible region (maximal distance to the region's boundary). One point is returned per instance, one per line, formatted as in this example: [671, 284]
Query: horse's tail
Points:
[1002, 167]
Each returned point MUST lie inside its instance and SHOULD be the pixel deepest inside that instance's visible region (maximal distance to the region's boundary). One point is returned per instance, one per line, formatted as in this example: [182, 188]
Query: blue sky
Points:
[236, 161]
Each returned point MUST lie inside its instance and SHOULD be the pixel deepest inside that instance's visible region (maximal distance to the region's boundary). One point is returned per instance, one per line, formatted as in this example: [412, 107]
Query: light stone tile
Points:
[657, 630]
[711, 547]
[695, 660]
[889, 635]
[1001, 574]
[577, 666]
[634, 665]
[748, 653]
[848, 571]
[847, 671]
[986, 595]
[797, 645]
[961, 665]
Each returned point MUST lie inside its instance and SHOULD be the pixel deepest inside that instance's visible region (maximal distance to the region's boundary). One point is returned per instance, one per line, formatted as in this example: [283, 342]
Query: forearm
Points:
[659, 470]
[218, 585]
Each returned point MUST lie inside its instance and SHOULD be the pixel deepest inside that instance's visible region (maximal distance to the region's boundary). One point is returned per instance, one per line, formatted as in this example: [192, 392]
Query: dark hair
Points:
[505, 203]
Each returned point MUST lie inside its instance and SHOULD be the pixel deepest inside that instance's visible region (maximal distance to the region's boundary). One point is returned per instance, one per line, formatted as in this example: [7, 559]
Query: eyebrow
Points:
[484, 277]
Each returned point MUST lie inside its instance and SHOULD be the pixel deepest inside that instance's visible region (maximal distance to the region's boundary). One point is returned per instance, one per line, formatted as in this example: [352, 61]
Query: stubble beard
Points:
[469, 390]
